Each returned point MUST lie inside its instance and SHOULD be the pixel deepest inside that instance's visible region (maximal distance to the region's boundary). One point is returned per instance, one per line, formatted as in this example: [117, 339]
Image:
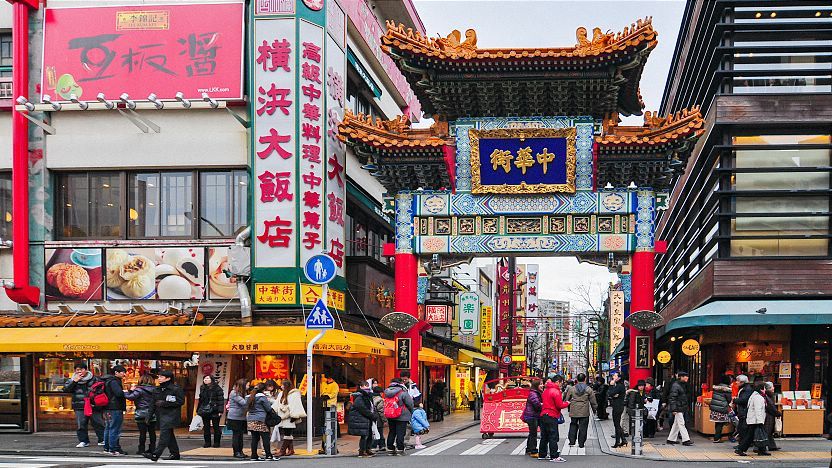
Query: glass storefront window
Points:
[819, 13]
[781, 84]
[779, 247]
[219, 194]
[780, 61]
[143, 216]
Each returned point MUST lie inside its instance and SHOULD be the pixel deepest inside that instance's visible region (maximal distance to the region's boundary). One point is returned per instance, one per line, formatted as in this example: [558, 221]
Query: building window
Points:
[485, 285]
[365, 237]
[158, 204]
[5, 50]
[5, 205]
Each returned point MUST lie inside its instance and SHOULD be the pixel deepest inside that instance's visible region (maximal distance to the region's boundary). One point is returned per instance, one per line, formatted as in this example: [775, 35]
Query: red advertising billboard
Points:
[139, 50]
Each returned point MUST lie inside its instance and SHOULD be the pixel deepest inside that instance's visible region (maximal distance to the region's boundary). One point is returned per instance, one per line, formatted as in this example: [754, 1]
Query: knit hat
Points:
[640, 383]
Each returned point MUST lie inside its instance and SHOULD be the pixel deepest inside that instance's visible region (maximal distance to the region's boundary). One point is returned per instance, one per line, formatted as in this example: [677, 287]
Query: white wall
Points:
[5, 15]
[105, 139]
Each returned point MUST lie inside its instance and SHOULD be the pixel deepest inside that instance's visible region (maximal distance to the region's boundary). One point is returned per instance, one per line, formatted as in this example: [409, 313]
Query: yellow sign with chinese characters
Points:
[276, 293]
[310, 293]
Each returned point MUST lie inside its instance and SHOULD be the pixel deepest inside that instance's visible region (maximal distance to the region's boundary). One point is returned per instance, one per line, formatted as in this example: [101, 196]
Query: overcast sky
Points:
[552, 23]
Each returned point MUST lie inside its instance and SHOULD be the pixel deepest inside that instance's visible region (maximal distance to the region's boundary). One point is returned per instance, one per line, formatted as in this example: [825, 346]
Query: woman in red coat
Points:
[550, 418]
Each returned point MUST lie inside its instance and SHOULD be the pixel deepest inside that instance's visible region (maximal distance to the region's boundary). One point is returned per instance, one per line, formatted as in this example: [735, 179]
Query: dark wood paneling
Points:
[759, 109]
[699, 290]
[746, 278]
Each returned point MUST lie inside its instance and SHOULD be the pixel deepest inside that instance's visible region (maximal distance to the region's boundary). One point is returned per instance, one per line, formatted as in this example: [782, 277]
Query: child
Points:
[420, 425]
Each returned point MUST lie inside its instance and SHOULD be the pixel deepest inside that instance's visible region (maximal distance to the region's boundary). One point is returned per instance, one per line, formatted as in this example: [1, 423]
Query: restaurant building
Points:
[744, 285]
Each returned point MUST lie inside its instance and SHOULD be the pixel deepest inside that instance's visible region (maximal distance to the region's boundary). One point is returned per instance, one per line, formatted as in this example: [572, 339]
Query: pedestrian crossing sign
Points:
[320, 318]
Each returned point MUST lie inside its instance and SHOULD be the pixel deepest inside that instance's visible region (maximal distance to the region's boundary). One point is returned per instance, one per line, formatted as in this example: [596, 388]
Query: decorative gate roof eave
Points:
[447, 73]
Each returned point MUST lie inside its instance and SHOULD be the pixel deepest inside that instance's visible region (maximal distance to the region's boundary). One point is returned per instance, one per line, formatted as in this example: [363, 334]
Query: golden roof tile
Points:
[97, 320]
[656, 130]
[392, 134]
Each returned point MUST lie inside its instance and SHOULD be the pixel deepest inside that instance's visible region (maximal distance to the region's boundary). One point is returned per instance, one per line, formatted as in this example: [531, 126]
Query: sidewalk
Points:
[704, 450]
[190, 443]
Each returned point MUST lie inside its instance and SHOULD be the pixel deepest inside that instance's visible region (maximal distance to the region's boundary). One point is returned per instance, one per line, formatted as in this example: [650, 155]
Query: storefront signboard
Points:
[503, 305]
[269, 366]
[756, 367]
[663, 357]
[143, 49]
[616, 318]
[275, 293]
[436, 313]
[785, 371]
[469, 304]
[643, 352]
[690, 347]
[403, 353]
[532, 272]
[486, 329]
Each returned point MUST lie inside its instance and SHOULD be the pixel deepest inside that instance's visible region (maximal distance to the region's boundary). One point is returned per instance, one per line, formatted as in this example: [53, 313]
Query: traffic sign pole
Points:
[310, 388]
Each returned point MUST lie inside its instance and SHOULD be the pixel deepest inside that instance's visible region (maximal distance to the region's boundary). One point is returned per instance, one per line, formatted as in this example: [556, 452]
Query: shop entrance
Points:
[14, 412]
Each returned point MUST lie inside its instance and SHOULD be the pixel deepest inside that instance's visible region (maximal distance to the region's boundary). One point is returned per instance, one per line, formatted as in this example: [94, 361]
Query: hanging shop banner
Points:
[503, 305]
[532, 272]
[273, 367]
[469, 313]
[486, 329]
[144, 49]
[436, 313]
[616, 318]
[218, 365]
[403, 353]
[690, 347]
[643, 352]
[663, 357]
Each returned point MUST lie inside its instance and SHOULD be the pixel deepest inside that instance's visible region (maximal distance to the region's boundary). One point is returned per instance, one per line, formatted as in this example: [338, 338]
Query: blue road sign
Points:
[320, 317]
[320, 269]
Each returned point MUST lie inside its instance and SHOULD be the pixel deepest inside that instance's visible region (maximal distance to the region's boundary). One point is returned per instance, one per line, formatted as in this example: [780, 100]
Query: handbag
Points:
[142, 414]
[760, 437]
[272, 418]
[561, 419]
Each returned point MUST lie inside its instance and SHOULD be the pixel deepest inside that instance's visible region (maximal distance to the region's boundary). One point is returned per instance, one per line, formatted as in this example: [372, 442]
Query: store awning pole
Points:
[309, 389]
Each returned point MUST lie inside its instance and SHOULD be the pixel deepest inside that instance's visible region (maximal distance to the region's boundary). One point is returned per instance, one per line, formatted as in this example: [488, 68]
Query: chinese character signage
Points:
[271, 367]
[503, 305]
[436, 313]
[532, 272]
[144, 49]
[486, 329]
[643, 352]
[469, 313]
[523, 160]
[403, 353]
[616, 318]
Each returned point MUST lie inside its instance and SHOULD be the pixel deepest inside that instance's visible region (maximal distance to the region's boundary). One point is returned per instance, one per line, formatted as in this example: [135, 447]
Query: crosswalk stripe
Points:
[520, 450]
[573, 450]
[145, 464]
[484, 447]
[438, 448]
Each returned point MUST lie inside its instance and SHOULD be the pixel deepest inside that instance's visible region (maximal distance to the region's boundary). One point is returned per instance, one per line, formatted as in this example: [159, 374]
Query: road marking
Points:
[122, 461]
[484, 447]
[573, 450]
[438, 448]
[520, 450]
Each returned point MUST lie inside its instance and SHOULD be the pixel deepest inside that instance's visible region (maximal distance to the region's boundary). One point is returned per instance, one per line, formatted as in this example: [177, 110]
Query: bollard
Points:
[330, 435]
[638, 431]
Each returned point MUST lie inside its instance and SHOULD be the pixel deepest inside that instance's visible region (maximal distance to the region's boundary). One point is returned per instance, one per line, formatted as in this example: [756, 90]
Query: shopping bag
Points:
[778, 425]
[196, 423]
[276, 435]
[376, 435]
[652, 409]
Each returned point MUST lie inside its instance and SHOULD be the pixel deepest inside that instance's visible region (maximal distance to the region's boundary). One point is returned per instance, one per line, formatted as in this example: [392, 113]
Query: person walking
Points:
[361, 418]
[634, 399]
[755, 418]
[236, 419]
[771, 415]
[437, 399]
[581, 399]
[258, 407]
[289, 406]
[721, 407]
[741, 405]
[398, 409]
[652, 400]
[616, 396]
[168, 399]
[79, 386]
[114, 411]
[601, 389]
[145, 415]
[210, 408]
[550, 418]
[531, 416]
[419, 425]
[678, 404]
[378, 404]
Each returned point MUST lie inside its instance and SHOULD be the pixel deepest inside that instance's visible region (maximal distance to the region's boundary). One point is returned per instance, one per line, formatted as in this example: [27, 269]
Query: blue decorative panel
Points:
[614, 202]
[422, 289]
[434, 204]
[627, 286]
[564, 243]
[404, 222]
[645, 209]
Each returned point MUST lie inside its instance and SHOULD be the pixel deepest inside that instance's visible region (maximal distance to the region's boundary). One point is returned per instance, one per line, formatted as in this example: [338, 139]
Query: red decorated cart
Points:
[502, 408]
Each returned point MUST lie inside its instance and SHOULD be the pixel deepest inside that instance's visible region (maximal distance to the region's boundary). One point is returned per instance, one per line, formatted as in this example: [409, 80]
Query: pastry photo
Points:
[175, 273]
[73, 274]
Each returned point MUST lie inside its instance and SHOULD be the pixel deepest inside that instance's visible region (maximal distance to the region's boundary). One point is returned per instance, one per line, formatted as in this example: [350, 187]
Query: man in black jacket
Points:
[741, 404]
[79, 386]
[601, 388]
[678, 403]
[114, 411]
[616, 395]
[168, 400]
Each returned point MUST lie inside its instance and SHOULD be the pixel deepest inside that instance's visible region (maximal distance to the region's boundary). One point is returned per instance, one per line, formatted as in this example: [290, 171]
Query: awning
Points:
[766, 312]
[215, 339]
[431, 356]
[475, 359]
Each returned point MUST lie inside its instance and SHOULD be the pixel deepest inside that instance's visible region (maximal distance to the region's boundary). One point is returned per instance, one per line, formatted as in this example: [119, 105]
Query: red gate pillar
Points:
[643, 287]
[407, 272]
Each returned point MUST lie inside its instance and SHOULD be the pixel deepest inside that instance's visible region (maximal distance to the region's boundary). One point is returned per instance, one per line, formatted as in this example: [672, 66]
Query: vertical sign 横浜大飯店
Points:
[487, 329]
[403, 353]
[643, 352]
[616, 318]
[469, 305]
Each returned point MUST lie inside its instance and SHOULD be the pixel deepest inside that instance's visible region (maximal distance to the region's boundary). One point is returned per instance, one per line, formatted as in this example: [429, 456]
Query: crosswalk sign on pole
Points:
[320, 318]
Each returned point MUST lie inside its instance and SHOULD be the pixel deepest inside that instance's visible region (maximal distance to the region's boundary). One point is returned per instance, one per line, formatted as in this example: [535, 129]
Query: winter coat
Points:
[635, 400]
[581, 398]
[771, 413]
[405, 400]
[329, 391]
[677, 399]
[552, 401]
[261, 406]
[290, 412]
[616, 395]
[742, 400]
[534, 405]
[362, 414]
[721, 400]
[143, 398]
[168, 398]
[237, 407]
[80, 390]
[756, 409]
[378, 404]
[419, 422]
[114, 390]
[601, 391]
[211, 398]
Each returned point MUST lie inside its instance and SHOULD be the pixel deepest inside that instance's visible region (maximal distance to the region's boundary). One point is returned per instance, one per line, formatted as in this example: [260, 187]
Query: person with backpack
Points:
[398, 409]
[85, 414]
[581, 398]
[210, 408]
[142, 397]
[168, 400]
[362, 417]
[114, 409]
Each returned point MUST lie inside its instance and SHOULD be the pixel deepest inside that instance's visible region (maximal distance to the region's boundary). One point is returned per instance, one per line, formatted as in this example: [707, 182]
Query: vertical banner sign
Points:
[519, 345]
[531, 295]
[487, 329]
[403, 353]
[469, 305]
[643, 354]
[616, 318]
[217, 365]
[336, 151]
[503, 304]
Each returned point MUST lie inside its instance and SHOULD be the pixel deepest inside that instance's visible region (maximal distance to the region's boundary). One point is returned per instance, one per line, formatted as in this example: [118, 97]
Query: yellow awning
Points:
[224, 340]
[475, 359]
[431, 356]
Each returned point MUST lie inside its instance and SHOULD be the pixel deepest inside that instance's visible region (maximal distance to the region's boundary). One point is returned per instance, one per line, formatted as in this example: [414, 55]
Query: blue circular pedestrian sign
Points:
[320, 269]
